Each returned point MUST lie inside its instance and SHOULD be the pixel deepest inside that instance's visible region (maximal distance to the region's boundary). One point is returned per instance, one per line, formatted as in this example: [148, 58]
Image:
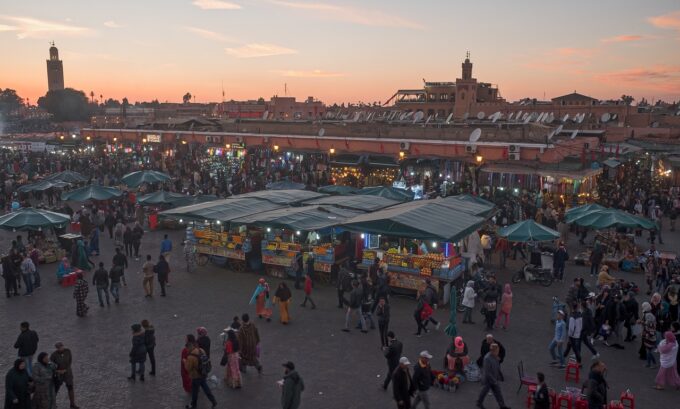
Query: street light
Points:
[144, 140]
[332, 151]
[402, 154]
[276, 148]
[479, 158]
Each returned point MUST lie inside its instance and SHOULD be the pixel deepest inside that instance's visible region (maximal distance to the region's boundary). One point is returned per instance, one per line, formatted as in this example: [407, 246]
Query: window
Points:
[443, 97]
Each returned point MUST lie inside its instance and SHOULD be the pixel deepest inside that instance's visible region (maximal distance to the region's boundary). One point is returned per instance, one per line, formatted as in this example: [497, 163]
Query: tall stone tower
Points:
[466, 90]
[55, 71]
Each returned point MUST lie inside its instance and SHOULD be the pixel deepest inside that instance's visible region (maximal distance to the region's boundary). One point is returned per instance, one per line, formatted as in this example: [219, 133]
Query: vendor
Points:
[63, 269]
[603, 278]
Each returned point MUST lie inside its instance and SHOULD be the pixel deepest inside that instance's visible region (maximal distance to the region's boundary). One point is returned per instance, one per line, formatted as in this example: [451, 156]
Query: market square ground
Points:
[340, 370]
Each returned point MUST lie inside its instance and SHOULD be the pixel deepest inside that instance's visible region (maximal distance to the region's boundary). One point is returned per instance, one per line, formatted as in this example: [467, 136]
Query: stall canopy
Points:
[363, 203]
[382, 161]
[392, 193]
[337, 189]
[480, 208]
[191, 200]
[33, 219]
[91, 192]
[425, 219]
[223, 210]
[347, 160]
[607, 218]
[42, 186]
[160, 197]
[138, 178]
[282, 197]
[578, 211]
[307, 218]
[285, 185]
[528, 231]
[67, 176]
[474, 199]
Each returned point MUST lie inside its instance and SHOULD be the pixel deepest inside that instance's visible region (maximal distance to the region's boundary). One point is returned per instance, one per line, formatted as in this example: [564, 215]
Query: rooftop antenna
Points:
[285, 89]
[475, 135]
[222, 91]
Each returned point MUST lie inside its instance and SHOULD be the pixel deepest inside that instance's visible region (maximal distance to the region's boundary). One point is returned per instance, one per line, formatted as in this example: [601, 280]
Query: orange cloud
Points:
[624, 38]
[256, 50]
[573, 52]
[216, 5]
[363, 16]
[665, 78]
[669, 21]
[29, 27]
[310, 74]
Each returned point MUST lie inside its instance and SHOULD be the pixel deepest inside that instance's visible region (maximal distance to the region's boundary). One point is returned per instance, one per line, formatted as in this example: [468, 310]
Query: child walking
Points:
[506, 307]
[308, 292]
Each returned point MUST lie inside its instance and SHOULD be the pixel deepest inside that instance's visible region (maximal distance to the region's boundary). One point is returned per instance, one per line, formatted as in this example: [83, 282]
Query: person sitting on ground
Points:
[604, 278]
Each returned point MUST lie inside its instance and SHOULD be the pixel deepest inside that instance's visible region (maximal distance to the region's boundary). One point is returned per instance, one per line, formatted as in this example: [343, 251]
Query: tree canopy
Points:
[9, 101]
[66, 105]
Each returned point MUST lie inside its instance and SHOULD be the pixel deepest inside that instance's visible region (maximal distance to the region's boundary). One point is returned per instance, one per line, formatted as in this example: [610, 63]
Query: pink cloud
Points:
[573, 52]
[668, 21]
[665, 78]
[624, 38]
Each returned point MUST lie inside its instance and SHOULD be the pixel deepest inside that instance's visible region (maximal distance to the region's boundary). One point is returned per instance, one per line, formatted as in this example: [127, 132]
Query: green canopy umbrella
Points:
[451, 329]
[578, 211]
[160, 197]
[606, 218]
[138, 178]
[388, 193]
[337, 189]
[42, 186]
[528, 231]
[68, 176]
[33, 219]
[91, 192]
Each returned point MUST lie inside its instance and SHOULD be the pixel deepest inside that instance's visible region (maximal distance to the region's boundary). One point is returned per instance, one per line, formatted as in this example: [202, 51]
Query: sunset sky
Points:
[341, 51]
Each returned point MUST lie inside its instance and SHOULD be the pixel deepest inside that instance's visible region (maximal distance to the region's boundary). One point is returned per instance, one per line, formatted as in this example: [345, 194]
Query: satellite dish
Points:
[466, 115]
[519, 114]
[402, 116]
[510, 116]
[427, 121]
[418, 116]
[321, 132]
[551, 118]
[558, 130]
[527, 119]
[565, 117]
[409, 115]
[614, 116]
[495, 117]
[480, 115]
[265, 115]
[581, 118]
[605, 117]
[573, 134]
[540, 117]
[475, 135]
[448, 119]
[551, 134]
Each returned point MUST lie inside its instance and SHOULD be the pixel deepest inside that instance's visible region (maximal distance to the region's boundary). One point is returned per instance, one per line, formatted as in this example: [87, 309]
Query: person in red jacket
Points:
[308, 292]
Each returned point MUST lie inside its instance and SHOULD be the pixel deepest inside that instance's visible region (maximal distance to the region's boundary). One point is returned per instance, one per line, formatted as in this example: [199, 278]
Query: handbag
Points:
[636, 329]
[490, 306]
[224, 360]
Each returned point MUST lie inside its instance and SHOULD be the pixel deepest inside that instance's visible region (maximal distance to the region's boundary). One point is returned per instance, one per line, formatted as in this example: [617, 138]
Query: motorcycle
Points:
[531, 272]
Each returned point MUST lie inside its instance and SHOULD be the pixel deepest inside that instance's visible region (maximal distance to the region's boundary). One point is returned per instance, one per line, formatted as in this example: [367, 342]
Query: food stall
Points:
[232, 246]
[279, 257]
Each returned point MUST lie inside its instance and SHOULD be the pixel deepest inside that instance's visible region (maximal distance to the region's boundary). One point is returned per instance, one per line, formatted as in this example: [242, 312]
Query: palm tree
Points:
[627, 99]
[186, 98]
[92, 96]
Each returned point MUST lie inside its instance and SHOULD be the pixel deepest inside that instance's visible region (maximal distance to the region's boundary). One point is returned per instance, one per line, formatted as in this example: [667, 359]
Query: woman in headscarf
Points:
[43, 373]
[668, 352]
[506, 307]
[84, 262]
[80, 294]
[203, 340]
[189, 343]
[232, 372]
[262, 300]
[456, 359]
[282, 297]
[17, 394]
[94, 242]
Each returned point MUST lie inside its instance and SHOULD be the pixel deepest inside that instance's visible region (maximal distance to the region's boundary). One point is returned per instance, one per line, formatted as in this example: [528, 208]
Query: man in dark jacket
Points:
[343, 285]
[486, 347]
[595, 259]
[382, 312]
[291, 387]
[119, 260]
[491, 377]
[402, 384]
[542, 394]
[392, 354]
[27, 345]
[355, 298]
[422, 379]
[150, 344]
[596, 386]
[100, 279]
[432, 298]
[632, 314]
[162, 270]
[138, 352]
[560, 257]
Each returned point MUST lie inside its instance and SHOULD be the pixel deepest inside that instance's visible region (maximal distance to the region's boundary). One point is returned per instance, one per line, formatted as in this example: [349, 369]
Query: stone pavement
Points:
[340, 370]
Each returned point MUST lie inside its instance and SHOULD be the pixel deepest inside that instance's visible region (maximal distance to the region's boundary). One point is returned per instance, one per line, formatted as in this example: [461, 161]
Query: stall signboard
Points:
[153, 138]
[410, 281]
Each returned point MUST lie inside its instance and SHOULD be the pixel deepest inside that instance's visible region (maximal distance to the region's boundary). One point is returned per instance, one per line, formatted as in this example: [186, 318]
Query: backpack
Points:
[204, 365]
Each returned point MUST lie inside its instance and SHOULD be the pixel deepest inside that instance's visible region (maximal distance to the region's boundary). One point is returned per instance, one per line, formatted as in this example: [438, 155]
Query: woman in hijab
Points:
[232, 372]
[262, 300]
[668, 352]
[282, 297]
[189, 343]
[506, 307]
[43, 375]
[203, 340]
[17, 393]
[84, 262]
[63, 269]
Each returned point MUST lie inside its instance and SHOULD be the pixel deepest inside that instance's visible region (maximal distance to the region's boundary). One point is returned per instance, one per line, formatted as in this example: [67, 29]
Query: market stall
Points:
[436, 226]
[38, 222]
[232, 246]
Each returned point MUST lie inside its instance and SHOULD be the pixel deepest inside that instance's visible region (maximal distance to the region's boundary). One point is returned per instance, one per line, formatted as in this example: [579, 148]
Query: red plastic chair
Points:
[615, 404]
[627, 400]
[572, 372]
[531, 390]
[564, 401]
